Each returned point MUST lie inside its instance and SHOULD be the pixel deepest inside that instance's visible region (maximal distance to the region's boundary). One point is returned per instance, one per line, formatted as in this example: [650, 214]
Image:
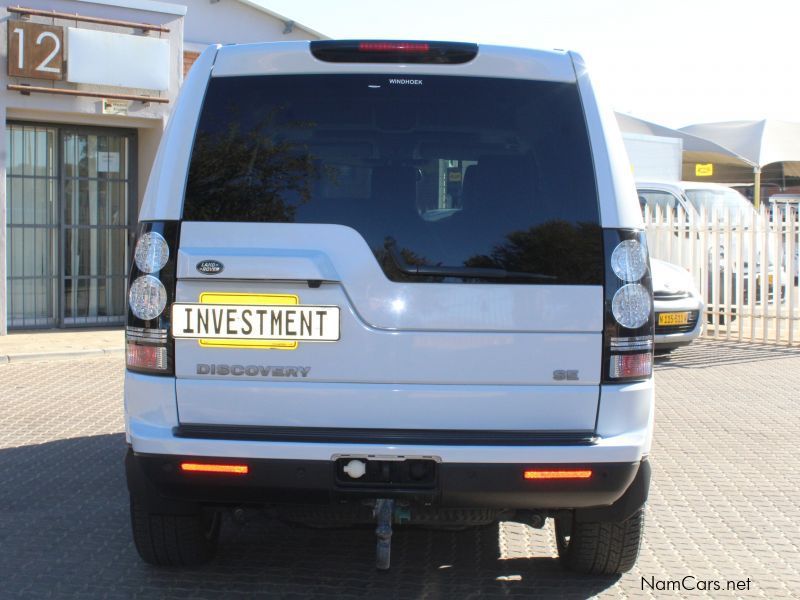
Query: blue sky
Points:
[675, 62]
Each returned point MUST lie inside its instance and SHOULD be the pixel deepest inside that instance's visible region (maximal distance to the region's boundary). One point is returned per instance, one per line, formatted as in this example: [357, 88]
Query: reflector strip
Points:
[393, 47]
[558, 474]
[214, 468]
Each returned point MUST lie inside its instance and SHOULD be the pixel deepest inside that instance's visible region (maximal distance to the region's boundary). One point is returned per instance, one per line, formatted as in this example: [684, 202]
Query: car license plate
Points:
[677, 318]
[255, 322]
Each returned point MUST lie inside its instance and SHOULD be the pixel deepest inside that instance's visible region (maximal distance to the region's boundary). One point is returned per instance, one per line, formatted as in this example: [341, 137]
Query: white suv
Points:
[400, 282]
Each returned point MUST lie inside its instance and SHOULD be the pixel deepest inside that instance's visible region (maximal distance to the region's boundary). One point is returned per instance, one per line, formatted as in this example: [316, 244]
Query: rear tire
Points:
[166, 540]
[600, 548]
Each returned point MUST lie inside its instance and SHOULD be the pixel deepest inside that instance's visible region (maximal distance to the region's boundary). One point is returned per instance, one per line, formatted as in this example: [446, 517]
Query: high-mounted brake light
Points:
[394, 46]
[557, 474]
[215, 468]
[393, 51]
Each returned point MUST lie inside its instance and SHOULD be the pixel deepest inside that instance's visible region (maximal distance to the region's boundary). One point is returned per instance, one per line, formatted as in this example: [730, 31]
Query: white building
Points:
[86, 92]
[235, 22]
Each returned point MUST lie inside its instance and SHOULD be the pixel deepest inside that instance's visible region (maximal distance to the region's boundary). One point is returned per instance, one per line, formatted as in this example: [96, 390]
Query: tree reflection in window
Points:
[255, 174]
[567, 250]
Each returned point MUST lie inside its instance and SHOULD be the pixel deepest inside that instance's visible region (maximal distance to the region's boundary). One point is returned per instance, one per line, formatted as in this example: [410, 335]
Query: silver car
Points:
[678, 306]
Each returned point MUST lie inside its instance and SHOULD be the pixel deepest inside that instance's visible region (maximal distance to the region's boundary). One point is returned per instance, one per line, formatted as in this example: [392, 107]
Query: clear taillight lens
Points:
[629, 260]
[152, 252]
[631, 305]
[147, 297]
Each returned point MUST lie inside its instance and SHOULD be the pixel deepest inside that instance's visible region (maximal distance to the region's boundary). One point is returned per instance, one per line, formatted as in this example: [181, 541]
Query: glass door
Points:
[96, 183]
[31, 226]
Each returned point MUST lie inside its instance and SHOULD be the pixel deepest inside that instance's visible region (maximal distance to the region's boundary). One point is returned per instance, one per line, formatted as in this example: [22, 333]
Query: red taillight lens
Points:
[393, 51]
[625, 366]
[393, 47]
[146, 356]
[215, 468]
[557, 474]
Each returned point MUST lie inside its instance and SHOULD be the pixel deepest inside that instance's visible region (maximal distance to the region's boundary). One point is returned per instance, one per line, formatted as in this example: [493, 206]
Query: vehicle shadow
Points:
[64, 530]
[705, 353]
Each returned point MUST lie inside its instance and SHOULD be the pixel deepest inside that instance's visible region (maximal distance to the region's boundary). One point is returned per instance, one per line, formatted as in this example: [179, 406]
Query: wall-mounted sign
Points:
[35, 50]
[108, 162]
[130, 61]
[704, 170]
[115, 107]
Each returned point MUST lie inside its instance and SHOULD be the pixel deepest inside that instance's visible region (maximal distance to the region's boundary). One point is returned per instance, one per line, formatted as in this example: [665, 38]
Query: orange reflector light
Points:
[558, 474]
[212, 468]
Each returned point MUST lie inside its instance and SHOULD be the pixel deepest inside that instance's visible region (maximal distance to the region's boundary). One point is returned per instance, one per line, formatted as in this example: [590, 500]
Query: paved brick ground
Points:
[724, 502]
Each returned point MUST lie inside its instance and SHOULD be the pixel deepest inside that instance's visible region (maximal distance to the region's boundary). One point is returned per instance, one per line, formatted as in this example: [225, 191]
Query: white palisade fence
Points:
[744, 263]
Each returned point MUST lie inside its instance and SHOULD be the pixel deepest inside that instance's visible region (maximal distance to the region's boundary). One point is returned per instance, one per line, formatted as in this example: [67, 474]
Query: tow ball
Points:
[385, 512]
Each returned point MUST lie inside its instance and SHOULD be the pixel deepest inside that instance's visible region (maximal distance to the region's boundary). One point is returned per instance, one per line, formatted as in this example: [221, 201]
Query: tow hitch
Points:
[385, 512]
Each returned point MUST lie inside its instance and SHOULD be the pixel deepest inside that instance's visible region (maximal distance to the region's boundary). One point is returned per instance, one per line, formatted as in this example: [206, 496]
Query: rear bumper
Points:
[159, 480]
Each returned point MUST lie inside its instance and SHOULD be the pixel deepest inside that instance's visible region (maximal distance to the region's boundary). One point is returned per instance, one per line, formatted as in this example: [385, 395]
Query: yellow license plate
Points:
[234, 298]
[678, 318]
[236, 320]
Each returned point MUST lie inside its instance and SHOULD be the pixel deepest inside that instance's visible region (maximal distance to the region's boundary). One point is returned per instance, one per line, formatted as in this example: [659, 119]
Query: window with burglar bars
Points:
[32, 226]
[68, 214]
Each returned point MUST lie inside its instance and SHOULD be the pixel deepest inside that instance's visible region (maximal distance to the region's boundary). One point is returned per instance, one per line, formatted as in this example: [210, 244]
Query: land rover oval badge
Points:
[210, 267]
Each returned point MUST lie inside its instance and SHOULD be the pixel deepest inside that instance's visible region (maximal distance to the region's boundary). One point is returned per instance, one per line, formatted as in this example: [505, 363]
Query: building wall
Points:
[231, 21]
[147, 119]
[192, 24]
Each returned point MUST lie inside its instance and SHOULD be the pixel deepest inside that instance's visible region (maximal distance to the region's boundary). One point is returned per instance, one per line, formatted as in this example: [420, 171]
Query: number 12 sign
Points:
[35, 50]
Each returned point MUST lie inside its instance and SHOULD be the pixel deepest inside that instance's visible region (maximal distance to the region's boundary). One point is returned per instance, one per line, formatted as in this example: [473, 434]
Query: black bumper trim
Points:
[423, 437]
[159, 480]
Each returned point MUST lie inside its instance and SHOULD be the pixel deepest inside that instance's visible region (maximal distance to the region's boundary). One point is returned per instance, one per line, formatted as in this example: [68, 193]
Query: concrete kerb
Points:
[37, 356]
[60, 344]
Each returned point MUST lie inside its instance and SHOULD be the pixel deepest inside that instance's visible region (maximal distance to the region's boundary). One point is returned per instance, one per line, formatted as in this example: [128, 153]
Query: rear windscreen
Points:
[448, 179]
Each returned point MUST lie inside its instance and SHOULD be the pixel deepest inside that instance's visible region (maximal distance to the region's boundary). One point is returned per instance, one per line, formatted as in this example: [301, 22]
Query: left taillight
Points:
[149, 347]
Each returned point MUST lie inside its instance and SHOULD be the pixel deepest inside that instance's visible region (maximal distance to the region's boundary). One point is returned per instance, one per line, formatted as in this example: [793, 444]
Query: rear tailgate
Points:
[450, 217]
[409, 356]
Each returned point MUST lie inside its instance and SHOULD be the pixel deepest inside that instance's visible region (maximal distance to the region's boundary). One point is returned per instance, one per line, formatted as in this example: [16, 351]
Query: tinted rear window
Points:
[442, 176]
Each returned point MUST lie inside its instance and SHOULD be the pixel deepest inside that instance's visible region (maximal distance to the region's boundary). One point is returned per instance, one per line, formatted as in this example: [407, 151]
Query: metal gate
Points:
[745, 265]
[96, 181]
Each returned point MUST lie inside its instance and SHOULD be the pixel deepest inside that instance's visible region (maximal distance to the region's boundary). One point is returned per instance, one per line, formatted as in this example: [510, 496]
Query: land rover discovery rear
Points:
[392, 282]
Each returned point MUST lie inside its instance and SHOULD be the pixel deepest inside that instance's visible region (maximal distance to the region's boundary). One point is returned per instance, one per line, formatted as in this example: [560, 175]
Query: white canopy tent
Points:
[696, 149]
[760, 142]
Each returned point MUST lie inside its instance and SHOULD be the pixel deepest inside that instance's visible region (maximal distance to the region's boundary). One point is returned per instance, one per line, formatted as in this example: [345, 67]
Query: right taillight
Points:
[149, 347]
[628, 328]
